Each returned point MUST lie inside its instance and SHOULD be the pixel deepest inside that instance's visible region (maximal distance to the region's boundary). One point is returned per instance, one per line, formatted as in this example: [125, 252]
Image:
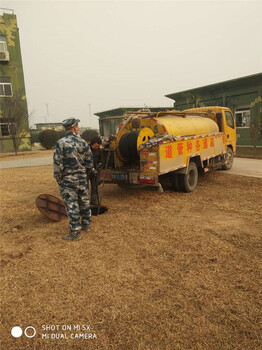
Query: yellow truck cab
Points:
[177, 144]
[226, 123]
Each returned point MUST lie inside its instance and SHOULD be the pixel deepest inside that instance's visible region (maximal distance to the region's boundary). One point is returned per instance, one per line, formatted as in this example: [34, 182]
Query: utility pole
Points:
[47, 111]
[89, 105]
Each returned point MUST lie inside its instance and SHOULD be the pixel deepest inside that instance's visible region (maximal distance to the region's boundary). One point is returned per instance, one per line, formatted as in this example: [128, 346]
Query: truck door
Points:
[230, 129]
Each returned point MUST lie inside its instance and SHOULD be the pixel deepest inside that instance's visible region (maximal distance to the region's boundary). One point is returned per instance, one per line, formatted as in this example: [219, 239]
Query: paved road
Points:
[246, 167]
[241, 166]
[6, 164]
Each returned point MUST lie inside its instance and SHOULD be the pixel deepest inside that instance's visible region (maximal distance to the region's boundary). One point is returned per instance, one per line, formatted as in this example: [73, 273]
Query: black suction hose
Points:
[128, 146]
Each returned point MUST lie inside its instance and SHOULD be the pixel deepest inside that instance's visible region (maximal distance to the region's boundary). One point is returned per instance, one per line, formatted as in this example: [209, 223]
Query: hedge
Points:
[48, 138]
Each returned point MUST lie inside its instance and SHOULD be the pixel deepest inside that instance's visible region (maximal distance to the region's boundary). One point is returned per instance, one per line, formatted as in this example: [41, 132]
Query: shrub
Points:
[34, 136]
[61, 134]
[48, 138]
[89, 134]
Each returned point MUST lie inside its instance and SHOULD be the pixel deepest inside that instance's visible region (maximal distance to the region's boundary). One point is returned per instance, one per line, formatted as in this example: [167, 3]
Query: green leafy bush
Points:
[89, 134]
[34, 136]
[48, 138]
[61, 133]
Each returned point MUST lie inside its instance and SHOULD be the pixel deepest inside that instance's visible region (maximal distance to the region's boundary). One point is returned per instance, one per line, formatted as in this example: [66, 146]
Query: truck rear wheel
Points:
[190, 179]
[229, 159]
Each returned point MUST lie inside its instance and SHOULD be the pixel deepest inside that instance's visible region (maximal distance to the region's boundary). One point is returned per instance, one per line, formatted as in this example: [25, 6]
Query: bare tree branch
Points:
[14, 112]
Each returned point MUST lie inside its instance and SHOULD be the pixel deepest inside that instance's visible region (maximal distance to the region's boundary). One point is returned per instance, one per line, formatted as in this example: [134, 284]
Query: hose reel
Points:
[129, 144]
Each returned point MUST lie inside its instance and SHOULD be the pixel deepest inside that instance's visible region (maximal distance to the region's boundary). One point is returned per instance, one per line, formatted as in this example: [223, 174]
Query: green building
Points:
[243, 96]
[52, 126]
[13, 109]
[109, 120]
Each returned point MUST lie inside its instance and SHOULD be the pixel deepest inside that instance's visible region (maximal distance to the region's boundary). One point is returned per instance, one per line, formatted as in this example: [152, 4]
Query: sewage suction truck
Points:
[149, 146]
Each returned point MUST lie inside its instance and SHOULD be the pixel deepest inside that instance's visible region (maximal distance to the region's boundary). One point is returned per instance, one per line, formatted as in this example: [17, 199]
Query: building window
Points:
[3, 45]
[7, 129]
[6, 89]
[243, 118]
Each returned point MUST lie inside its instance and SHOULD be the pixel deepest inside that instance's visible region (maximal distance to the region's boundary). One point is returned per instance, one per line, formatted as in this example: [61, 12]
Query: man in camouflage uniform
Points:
[73, 162]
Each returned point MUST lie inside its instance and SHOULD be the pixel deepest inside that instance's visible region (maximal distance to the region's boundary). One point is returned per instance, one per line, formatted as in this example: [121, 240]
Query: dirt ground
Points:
[157, 271]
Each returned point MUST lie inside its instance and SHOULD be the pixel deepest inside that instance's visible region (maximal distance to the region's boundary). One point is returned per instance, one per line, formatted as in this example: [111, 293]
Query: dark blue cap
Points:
[70, 123]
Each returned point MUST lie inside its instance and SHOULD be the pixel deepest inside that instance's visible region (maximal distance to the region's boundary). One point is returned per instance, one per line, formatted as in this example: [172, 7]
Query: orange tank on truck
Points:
[171, 145]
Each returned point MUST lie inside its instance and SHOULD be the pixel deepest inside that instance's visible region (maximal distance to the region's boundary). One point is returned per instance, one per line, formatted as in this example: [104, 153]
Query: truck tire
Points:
[229, 159]
[189, 180]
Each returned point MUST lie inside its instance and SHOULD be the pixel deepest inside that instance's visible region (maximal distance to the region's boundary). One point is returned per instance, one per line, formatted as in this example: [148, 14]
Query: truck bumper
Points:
[128, 177]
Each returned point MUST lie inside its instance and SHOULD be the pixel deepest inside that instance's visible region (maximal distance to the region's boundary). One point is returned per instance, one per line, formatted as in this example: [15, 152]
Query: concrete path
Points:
[6, 164]
[246, 167]
[241, 166]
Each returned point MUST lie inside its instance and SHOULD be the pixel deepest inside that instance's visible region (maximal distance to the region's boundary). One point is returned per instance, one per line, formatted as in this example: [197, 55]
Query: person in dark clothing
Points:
[97, 161]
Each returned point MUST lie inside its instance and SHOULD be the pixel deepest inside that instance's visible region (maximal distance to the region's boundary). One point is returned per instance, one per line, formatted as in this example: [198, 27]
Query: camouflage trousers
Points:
[77, 204]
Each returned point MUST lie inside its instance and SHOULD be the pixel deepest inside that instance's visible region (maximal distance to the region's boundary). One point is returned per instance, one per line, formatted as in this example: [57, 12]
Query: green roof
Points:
[253, 80]
[120, 111]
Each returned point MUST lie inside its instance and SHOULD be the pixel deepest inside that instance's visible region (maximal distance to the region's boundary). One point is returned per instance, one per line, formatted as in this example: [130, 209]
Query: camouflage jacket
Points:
[72, 159]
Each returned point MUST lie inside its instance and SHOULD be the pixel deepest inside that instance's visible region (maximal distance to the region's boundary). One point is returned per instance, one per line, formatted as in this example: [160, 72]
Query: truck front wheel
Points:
[190, 179]
[229, 159]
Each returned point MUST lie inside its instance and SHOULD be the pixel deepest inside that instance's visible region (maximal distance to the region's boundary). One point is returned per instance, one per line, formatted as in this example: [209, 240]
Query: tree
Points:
[255, 117]
[255, 130]
[15, 117]
[89, 134]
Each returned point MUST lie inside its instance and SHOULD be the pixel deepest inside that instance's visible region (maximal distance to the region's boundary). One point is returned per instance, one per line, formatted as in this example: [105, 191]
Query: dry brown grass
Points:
[36, 153]
[157, 271]
[249, 152]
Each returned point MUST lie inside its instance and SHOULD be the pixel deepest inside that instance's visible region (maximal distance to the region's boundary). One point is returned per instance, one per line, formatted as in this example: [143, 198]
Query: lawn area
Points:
[35, 153]
[249, 152]
[157, 271]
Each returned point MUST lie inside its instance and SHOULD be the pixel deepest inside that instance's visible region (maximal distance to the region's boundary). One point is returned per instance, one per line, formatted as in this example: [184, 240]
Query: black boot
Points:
[86, 228]
[72, 237]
